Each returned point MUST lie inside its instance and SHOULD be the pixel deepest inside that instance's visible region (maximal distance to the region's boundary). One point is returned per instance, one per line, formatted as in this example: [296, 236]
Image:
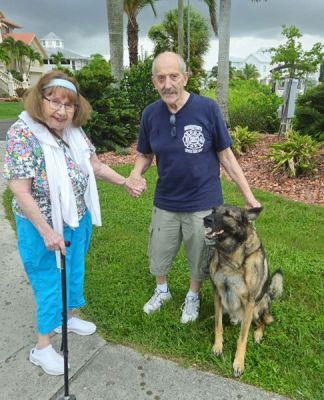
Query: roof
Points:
[261, 55]
[9, 23]
[236, 59]
[69, 54]
[27, 38]
[51, 36]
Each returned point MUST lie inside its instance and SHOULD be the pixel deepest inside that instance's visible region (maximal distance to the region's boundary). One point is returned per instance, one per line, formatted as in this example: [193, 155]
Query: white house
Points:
[237, 62]
[261, 60]
[53, 44]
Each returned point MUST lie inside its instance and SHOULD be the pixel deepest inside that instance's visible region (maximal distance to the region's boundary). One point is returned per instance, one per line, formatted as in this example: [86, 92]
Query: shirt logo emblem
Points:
[193, 139]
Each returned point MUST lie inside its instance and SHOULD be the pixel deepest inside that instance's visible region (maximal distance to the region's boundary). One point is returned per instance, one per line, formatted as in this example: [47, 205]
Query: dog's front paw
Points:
[218, 349]
[238, 368]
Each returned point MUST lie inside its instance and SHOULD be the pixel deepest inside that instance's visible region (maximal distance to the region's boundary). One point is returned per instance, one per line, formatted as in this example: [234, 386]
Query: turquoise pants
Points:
[45, 277]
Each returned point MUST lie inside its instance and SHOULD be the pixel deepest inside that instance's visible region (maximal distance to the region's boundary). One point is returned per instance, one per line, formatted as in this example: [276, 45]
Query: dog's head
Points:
[227, 226]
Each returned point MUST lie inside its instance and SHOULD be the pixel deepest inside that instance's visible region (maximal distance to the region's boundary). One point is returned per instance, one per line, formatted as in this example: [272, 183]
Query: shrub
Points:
[94, 78]
[17, 75]
[137, 82]
[114, 122]
[194, 84]
[309, 115]
[243, 140]
[295, 156]
[21, 92]
[254, 106]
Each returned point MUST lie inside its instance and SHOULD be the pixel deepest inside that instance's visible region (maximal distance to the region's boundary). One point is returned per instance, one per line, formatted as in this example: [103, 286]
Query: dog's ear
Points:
[252, 213]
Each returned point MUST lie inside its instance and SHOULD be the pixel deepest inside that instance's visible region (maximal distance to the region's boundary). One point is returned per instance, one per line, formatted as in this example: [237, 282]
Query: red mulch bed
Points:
[308, 189]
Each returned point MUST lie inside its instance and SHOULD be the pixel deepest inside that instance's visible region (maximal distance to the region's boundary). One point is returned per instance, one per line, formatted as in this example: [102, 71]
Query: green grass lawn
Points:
[290, 359]
[10, 110]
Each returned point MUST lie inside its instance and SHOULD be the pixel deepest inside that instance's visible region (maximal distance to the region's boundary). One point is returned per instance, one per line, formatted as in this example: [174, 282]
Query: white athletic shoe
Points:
[78, 326]
[190, 309]
[156, 301]
[48, 359]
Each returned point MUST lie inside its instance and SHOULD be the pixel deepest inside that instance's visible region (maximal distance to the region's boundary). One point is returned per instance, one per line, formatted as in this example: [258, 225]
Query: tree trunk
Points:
[132, 35]
[284, 123]
[115, 12]
[180, 27]
[223, 57]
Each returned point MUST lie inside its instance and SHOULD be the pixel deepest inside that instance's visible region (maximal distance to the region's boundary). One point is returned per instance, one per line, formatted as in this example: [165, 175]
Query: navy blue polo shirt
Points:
[187, 163]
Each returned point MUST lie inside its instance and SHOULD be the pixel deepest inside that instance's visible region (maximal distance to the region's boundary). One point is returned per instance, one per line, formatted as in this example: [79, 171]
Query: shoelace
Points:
[190, 306]
[155, 298]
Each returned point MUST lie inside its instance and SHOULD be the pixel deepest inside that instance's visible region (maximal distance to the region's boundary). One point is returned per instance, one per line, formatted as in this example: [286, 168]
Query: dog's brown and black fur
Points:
[240, 277]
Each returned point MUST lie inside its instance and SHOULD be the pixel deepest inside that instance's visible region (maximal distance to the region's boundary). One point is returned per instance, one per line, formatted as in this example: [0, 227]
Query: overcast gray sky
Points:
[83, 23]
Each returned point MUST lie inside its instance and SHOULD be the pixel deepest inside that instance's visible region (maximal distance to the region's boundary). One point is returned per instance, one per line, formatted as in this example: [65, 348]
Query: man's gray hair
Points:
[182, 64]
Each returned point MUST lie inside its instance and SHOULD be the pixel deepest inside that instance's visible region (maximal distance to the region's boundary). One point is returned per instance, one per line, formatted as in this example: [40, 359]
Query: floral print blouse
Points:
[24, 159]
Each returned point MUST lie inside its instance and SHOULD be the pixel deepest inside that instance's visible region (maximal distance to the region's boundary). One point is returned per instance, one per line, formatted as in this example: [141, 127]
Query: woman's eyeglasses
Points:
[173, 125]
[56, 105]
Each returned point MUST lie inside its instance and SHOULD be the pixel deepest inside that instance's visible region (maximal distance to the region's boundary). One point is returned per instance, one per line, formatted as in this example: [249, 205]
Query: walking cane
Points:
[64, 346]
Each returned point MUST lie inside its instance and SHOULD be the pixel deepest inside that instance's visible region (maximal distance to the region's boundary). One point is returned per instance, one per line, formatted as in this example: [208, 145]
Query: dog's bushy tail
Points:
[275, 288]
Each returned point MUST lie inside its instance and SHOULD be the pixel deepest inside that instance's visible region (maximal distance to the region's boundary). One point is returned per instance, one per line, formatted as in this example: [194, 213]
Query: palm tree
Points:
[4, 56]
[165, 37]
[22, 52]
[249, 72]
[213, 20]
[180, 28]
[33, 56]
[58, 58]
[115, 28]
[212, 14]
[132, 8]
[223, 56]
[16, 49]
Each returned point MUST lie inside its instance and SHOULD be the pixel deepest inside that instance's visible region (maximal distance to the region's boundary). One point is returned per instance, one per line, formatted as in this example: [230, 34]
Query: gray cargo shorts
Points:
[167, 231]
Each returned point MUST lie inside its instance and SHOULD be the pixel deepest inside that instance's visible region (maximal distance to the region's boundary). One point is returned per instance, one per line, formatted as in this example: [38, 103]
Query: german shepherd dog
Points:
[240, 277]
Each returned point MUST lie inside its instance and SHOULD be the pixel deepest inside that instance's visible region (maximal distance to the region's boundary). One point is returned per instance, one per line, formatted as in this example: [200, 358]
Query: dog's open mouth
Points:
[213, 234]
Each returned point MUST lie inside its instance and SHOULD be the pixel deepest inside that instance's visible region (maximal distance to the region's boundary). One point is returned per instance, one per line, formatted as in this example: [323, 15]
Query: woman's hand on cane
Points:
[54, 241]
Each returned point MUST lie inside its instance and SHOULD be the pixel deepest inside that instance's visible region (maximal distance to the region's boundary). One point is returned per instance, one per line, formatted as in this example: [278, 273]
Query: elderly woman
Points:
[51, 167]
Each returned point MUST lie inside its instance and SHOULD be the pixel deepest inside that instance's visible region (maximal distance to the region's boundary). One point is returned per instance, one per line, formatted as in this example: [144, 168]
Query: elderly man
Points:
[188, 136]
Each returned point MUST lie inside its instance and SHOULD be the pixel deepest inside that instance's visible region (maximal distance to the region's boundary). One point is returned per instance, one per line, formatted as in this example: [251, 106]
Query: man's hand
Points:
[253, 204]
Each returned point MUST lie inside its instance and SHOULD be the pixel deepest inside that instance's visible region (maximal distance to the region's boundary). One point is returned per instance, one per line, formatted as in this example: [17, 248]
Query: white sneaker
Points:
[190, 309]
[156, 301]
[48, 359]
[78, 326]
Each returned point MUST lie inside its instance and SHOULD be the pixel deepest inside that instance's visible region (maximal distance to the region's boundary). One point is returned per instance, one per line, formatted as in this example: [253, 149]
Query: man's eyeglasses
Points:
[56, 105]
[173, 125]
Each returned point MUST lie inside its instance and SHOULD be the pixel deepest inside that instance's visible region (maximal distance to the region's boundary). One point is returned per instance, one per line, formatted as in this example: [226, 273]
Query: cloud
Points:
[83, 23]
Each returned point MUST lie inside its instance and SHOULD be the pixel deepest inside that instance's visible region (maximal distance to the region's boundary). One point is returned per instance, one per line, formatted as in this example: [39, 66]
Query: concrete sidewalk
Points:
[99, 370]
[4, 126]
